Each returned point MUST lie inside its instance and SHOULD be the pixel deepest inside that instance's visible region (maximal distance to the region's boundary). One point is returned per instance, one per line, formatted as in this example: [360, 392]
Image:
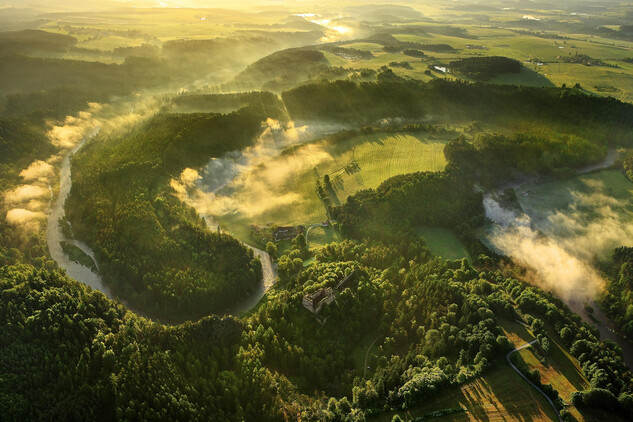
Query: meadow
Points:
[293, 197]
[541, 57]
[502, 395]
[443, 242]
[489, 33]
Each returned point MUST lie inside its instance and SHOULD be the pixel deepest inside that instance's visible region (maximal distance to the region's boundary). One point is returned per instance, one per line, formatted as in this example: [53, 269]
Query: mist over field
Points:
[561, 246]
[256, 172]
[557, 260]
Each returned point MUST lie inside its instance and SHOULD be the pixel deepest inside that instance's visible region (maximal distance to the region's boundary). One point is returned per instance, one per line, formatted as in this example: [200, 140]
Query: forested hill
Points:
[409, 200]
[153, 249]
[68, 353]
[367, 102]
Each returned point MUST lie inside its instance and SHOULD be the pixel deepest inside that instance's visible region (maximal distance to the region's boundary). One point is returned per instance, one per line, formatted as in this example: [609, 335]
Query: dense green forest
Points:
[268, 103]
[456, 100]
[409, 200]
[30, 40]
[618, 297]
[283, 69]
[151, 248]
[537, 151]
[178, 62]
[436, 325]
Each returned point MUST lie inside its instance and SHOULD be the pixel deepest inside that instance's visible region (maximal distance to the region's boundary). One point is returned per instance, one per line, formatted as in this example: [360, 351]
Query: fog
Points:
[560, 247]
[249, 182]
[27, 203]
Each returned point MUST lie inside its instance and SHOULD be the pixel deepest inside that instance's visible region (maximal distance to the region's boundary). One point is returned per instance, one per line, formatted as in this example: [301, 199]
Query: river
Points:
[54, 237]
[597, 318]
[269, 274]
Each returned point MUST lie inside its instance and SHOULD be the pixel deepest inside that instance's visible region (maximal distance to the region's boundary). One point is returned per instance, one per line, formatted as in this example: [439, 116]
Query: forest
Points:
[267, 365]
[482, 68]
[151, 247]
[346, 101]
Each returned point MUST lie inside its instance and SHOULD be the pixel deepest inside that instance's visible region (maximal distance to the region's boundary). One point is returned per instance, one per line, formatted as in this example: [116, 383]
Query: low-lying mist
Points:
[27, 203]
[249, 182]
[560, 247]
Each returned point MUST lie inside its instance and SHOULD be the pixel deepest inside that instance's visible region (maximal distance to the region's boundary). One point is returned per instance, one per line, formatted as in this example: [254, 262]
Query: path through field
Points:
[527, 380]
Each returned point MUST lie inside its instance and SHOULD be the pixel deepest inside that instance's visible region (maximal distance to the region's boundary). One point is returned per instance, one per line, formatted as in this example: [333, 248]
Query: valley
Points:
[307, 211]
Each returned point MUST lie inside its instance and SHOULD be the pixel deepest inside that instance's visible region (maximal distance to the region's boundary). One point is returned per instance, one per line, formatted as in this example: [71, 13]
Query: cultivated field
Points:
[541, 56]
[501, 395]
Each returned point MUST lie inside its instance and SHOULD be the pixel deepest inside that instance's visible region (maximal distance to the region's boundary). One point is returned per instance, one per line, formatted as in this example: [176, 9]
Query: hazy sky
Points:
[106, 4]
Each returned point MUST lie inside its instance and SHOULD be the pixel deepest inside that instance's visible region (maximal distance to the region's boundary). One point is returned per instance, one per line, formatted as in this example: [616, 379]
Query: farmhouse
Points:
[286, 232]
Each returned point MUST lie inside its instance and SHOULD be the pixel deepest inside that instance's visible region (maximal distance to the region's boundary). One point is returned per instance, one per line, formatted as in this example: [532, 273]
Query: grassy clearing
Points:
[443, 242]
[500, 395]
[559, 368]
[600, 80]
[517, 333]
[290, 179]
[321, 236]
[616, 82]
[358, 355]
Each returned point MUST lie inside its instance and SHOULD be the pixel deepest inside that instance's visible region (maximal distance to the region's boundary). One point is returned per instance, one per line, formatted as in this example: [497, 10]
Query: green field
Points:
[290, 197]
[443, 242]
[500, 395]
[601, 80]
[321, 236]
[157, 25]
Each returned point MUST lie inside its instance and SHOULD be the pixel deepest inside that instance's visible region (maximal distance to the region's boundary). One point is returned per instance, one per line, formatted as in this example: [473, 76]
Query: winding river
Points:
[54, 235]
[269, 274]
[54, 238]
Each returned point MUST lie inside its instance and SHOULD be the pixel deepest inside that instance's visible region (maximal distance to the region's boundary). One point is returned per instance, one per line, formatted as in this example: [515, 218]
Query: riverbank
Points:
[537, 239]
